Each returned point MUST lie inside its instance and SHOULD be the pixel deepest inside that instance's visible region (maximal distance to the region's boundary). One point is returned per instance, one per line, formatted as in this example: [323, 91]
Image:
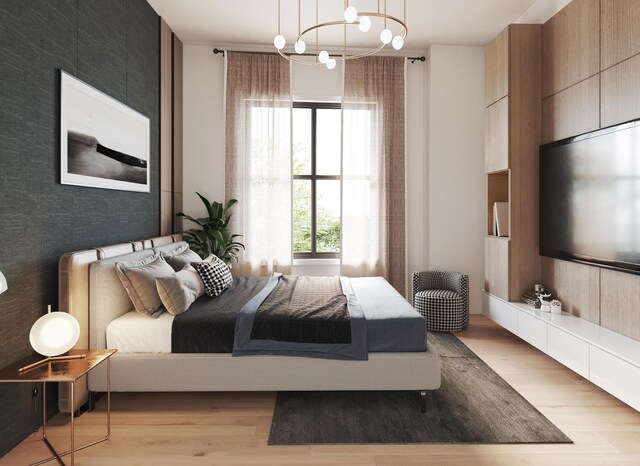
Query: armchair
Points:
[443, 299]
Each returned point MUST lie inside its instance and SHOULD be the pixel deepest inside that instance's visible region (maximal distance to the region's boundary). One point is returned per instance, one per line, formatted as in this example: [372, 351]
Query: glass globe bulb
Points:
[331, 63]
[386, 36]
[397, 42]
[279, 42]
[323, 57]
[350, 14]
[300, 46]
[365, 24]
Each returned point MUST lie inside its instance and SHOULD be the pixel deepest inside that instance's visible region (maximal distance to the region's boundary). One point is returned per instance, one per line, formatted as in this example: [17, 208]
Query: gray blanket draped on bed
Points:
[283, 315]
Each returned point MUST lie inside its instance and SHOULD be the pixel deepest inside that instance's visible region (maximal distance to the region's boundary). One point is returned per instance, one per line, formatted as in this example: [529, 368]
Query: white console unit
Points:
[608, 359]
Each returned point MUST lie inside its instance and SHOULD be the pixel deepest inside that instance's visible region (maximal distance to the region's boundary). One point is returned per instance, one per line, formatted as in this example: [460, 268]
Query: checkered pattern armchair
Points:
[443, 299]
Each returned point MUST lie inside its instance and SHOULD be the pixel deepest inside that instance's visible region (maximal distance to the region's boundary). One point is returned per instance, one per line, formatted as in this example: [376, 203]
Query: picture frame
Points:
[103, 142]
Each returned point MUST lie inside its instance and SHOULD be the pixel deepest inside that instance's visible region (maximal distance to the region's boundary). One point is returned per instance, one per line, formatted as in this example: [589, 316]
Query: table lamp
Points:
[53, 334]
[3, 284]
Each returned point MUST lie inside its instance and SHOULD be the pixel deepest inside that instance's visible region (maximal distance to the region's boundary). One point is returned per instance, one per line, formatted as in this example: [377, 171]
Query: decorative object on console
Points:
[351, 17]
[3, 284]
[214, 236]
[501, 218]
[545, 302]
[51, 335]
[103, 143]
[556, 307]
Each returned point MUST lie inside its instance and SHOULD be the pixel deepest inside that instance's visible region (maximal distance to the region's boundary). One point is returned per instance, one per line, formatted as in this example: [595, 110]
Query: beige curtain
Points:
[373, 192]
[258, 159]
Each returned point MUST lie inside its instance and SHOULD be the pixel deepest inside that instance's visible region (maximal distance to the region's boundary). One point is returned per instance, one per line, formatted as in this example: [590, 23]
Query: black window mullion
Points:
[313, 184]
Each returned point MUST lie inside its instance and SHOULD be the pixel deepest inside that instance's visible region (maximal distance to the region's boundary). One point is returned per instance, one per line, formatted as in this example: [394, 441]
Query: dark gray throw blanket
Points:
[304, 309]
[284, 315]
[318, 298]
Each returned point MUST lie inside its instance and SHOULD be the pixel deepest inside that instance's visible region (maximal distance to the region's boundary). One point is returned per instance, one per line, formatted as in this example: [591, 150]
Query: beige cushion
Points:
[179, 291]
[139, 279]
[180, 257]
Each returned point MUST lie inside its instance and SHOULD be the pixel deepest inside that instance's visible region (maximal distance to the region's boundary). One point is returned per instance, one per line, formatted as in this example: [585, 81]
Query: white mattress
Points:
[392, 323]
[135, 333]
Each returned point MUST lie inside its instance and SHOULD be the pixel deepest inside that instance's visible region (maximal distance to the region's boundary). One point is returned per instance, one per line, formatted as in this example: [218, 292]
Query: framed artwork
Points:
[103, 143]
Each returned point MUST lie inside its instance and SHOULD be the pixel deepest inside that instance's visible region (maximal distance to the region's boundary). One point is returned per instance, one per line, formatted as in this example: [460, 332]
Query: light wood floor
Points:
[232, 428]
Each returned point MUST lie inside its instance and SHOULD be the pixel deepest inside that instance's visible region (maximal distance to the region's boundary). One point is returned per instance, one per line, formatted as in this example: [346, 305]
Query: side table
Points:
[62, 371]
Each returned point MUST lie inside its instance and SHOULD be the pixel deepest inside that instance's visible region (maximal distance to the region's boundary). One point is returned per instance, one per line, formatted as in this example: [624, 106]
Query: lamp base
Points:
[51, 359]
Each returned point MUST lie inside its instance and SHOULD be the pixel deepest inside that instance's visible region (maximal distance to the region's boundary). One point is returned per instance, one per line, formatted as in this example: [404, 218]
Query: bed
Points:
[91, 290]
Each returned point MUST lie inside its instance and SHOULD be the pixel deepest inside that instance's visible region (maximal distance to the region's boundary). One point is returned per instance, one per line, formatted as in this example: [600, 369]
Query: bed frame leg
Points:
[423, 401]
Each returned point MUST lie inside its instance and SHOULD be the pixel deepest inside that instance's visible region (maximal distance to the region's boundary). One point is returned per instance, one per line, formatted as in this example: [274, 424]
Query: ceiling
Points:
[252, 24]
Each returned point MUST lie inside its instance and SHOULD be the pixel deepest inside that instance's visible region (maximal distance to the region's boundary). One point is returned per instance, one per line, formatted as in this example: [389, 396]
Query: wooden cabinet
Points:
[620, 34]
[512, 138]
[496, 140]
[571, 46]
[496, 72]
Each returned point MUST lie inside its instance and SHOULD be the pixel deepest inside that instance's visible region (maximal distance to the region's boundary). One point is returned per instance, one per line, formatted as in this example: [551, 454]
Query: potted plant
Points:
[213, 236]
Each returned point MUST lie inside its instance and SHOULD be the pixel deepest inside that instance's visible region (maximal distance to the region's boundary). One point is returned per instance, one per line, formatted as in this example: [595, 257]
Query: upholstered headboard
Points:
[108, 299]
[75, 296]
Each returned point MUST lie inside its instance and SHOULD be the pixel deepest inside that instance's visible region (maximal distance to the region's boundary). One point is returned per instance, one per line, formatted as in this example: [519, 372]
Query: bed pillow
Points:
[179, 291]
[215, 275]
[139, 279]
[180, 257]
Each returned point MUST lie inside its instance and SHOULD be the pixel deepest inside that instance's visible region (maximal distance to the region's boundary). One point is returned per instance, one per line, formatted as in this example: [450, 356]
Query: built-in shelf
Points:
[608, 359]
[497, 191]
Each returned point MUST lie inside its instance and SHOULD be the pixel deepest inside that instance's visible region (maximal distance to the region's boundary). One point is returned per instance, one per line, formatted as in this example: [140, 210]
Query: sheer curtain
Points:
[373, 189]
[258, 159]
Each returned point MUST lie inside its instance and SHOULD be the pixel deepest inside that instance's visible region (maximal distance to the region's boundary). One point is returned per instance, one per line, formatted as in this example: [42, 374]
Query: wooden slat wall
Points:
[569, 40]
[178, 132]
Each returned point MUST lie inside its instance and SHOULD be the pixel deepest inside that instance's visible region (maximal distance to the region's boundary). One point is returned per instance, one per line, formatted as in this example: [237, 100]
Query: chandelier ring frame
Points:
[292, 57]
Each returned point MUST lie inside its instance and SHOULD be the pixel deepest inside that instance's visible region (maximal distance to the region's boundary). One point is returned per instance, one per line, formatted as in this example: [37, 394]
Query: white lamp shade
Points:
[364, 24]
[386, 36]
[397, 42]
[300, 46]
[323, 57]
[331, 63]
[3, 283]
[279, 41]
[350, 14]
[54, 333]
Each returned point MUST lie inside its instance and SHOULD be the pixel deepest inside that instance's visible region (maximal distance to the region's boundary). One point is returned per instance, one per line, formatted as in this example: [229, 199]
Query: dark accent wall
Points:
[113, 45]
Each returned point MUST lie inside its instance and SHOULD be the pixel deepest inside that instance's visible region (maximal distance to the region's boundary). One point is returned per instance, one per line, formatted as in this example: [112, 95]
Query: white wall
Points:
[203, 162]
[445, 181]
[456, 193]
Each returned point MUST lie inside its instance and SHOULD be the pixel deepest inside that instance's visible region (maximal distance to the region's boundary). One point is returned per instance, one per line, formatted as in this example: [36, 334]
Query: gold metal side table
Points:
[62, 371]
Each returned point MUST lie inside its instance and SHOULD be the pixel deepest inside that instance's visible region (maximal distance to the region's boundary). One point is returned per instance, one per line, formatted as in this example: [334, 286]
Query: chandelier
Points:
[351, 18]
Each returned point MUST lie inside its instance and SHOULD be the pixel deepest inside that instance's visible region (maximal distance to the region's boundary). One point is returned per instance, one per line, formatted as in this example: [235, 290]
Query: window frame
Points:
[314, 178]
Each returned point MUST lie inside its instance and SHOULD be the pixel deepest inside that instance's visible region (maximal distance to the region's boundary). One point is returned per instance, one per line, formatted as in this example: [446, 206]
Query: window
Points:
[316, 160]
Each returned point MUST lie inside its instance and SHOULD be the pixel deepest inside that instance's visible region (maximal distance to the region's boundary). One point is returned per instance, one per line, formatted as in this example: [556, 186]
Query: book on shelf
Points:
[501, 218]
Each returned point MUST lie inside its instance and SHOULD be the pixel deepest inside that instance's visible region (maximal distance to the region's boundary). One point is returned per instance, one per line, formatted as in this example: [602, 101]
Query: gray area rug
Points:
[473, 405]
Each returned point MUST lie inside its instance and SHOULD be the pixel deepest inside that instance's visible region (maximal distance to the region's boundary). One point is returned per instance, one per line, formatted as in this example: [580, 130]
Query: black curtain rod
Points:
[216, 51]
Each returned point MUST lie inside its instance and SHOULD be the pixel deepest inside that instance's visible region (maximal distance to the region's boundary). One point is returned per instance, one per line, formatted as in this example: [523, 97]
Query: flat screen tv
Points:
[590, 198]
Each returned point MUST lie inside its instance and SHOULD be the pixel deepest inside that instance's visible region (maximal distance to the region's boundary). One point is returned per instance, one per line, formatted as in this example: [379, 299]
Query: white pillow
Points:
[179, 291]
[139, 279]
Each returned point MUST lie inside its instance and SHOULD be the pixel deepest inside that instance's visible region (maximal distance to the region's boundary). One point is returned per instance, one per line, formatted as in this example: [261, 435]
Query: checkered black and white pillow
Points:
[215, 275]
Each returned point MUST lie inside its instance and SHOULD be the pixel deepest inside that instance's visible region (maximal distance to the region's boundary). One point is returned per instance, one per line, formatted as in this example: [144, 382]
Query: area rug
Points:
[473, 405]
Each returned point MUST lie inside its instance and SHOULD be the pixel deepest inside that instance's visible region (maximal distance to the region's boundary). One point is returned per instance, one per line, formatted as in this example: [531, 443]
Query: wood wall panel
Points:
[496, 267]
[496, 55]
[576, 285]
[524, 141]
[573, 111]
[178, 132]
[496, 136]
[619, 302]
[620, 93]
[571, 46]
[166, 166]
[620, 36]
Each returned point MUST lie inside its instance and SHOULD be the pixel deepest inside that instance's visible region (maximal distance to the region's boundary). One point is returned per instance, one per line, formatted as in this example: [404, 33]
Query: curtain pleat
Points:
[258, 159]
[373, 224]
